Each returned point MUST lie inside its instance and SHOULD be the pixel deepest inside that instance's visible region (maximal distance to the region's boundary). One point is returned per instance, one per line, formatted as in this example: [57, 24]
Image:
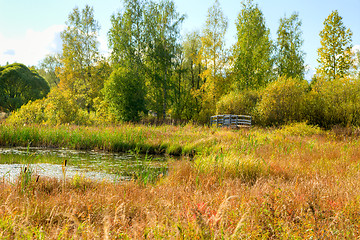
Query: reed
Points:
[25, 178]
[63, 168]
[288, 183]
[122, 138]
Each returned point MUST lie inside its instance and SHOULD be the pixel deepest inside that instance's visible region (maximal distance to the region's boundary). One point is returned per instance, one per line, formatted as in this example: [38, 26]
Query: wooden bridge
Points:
[233, 121]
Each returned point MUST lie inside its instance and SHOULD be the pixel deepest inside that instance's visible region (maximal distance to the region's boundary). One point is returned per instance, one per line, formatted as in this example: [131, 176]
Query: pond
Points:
[89, 164]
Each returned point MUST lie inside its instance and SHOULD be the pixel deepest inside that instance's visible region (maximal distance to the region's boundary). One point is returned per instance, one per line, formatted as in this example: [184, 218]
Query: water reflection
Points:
[90, 164]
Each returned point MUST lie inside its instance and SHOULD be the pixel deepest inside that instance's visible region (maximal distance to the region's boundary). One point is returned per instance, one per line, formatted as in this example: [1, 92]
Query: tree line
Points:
[154, 72]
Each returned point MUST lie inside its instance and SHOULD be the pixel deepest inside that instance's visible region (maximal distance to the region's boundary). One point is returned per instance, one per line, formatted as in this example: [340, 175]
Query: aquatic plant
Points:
[144, 171]
[63, 168]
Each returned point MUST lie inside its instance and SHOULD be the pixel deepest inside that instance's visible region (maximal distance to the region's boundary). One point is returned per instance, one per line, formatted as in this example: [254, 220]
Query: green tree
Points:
[48, 67]
[127, 35]
[162, 24]
[125, 90]
[214, 58]
[125, 93]
[192, 51]
[18, 85]
[145, 36]
[253, 51]
[290, 57]
[334, 55]
[79, 57]
[192, 68]
[357, 63]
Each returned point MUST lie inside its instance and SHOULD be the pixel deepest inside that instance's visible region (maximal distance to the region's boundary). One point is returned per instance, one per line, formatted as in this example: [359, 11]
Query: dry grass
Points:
[257, 184]
[2, 116]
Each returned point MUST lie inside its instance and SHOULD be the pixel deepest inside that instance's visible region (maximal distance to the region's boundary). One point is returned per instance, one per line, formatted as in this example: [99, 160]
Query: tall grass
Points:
[166, 139]
[297, 182]
[144, 172]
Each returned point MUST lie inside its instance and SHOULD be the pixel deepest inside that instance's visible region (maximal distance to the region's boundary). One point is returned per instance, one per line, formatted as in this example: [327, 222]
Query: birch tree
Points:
[79, 57]
[253, 51]
[213, 57]
[334, 56]
[290, 57]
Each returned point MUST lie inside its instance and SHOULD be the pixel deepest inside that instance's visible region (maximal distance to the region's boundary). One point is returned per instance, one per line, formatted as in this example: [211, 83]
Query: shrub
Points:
[103, 113]
[300, 129]
[239, 103]
[283, 101]
[54, 110]
[335, 102]
[125, 93]
[60, 109]
[32, 112]
[205, 113]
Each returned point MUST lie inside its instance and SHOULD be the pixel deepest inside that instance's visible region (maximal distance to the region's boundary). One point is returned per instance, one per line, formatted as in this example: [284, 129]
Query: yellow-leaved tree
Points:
[213, 57]
[334, 56]
[80, 58]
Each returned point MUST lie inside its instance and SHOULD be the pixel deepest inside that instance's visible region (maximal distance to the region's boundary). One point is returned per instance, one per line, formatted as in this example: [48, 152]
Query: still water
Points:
[89, 164]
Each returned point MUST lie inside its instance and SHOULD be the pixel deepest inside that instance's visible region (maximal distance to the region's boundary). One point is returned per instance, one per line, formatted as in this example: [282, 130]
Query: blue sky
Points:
[30, 29]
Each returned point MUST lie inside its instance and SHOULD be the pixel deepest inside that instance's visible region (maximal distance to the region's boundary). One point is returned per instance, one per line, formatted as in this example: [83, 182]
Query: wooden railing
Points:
[233, 121]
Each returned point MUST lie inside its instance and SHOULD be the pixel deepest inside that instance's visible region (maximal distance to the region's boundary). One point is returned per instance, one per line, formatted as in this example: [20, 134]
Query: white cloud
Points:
[35, 45]
[32, 47]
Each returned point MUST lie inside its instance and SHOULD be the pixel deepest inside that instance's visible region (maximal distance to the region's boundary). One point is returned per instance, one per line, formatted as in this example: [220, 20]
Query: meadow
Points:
[293, 182]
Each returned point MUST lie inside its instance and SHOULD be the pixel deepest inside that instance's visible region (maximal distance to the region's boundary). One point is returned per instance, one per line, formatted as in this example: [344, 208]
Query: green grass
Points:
[296, 182]
[114, 139]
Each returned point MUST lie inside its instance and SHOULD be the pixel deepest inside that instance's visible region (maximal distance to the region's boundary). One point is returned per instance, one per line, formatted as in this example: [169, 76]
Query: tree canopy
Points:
[152, 68]
[48, 67]
[335, 56]
[18, 85]
[80, 56]
[253, 51]
[213, 56]
[145, 37]
[290, 57]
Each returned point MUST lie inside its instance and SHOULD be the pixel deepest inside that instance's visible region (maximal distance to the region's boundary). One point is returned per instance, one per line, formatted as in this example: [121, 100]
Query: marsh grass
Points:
[154, 140]
[25, 178]
[63, 168]
[27, 174]
[143, 171]
[298, 182]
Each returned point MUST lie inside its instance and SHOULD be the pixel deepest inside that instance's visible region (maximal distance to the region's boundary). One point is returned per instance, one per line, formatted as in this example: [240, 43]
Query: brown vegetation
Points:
[306, 185]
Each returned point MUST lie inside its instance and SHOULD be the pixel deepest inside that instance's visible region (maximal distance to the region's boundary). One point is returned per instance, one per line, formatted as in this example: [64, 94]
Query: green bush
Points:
[239, 103]
[125, 94]
[283, 101]
[32, 112]
[335, 102]
[299, 129]
[56, 109]
[103, 115]
[207, 110]
[60, 109]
